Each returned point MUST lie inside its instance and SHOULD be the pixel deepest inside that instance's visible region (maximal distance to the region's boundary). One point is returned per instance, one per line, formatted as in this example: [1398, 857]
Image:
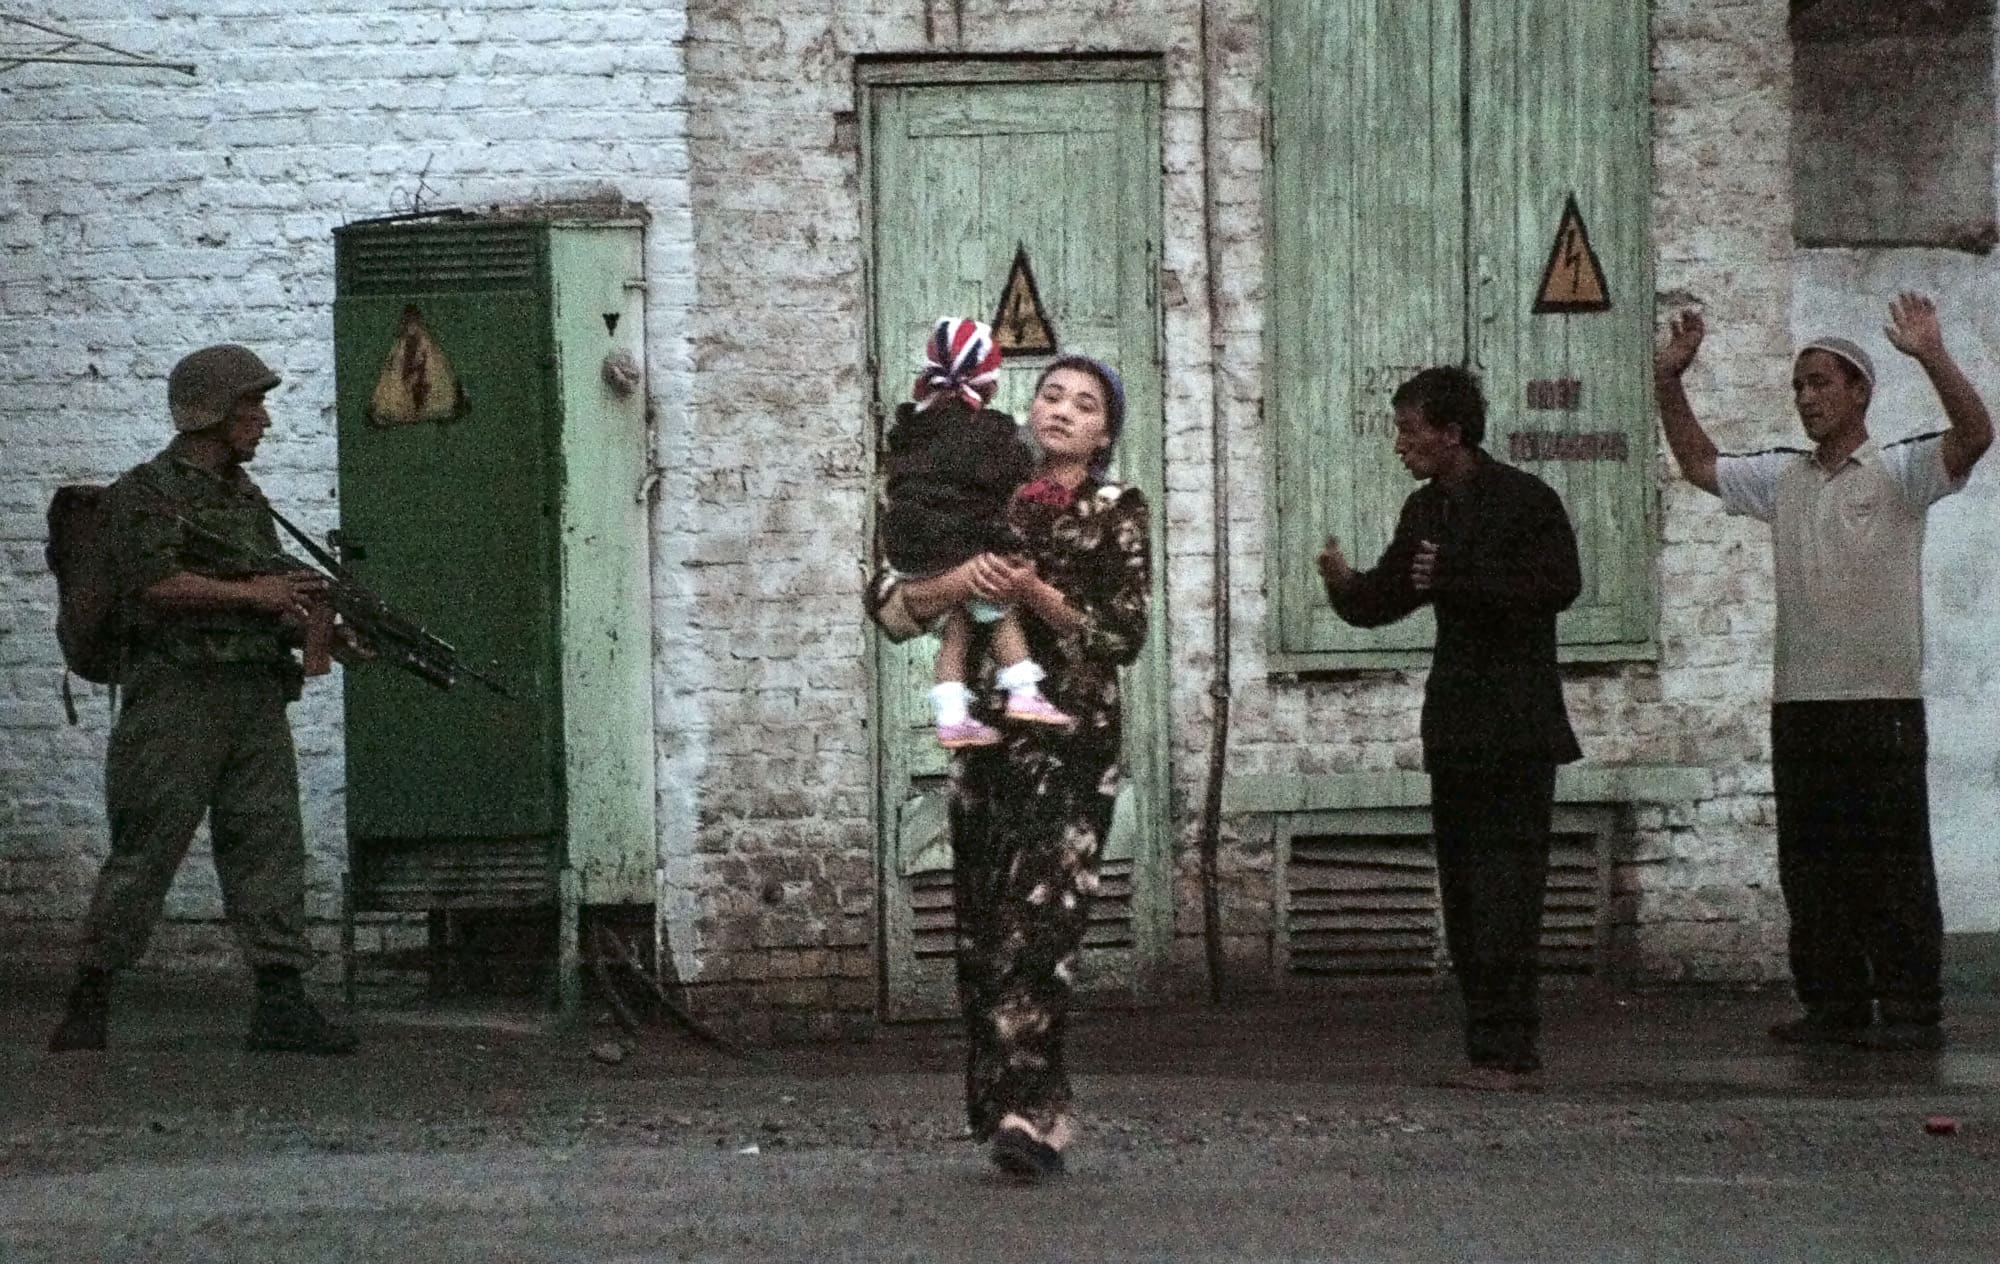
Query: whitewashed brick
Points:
[140, 215]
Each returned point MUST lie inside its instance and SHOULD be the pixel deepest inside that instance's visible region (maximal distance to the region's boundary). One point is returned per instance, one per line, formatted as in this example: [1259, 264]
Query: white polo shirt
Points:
[1848, 547]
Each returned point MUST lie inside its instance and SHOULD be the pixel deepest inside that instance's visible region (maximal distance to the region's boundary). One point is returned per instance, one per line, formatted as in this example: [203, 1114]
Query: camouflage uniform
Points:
[202, 729]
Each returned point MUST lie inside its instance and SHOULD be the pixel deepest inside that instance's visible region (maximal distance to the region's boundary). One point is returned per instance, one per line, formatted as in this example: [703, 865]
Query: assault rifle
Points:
[384, 631]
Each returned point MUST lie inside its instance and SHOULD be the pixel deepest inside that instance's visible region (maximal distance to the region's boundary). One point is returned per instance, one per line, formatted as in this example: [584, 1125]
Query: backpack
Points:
[83, 555]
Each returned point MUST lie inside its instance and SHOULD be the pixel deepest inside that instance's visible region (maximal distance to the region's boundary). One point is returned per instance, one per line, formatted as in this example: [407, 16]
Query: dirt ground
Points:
[1307, 1129]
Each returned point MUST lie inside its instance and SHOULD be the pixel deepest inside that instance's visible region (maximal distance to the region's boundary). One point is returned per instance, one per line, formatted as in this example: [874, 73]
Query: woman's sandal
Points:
[1024, 1158]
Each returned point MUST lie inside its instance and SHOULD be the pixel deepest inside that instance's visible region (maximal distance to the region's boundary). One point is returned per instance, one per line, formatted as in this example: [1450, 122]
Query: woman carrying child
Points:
[1030, 814]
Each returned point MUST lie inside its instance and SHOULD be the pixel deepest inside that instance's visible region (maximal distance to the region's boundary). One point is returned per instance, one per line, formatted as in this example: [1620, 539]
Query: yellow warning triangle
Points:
[1021, 326]
[1573, 281]
[417, 383]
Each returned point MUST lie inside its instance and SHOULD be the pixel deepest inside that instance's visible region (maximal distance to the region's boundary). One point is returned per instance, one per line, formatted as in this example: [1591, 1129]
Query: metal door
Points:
[1439, 170]
[451, 518]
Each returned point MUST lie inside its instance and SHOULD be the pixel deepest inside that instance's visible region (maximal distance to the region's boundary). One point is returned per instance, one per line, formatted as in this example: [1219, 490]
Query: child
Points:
[953, 467]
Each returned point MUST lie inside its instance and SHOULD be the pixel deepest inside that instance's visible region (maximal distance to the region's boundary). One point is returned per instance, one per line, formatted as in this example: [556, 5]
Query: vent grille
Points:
[1362, 905]
[453, 873]
[1574, 909]
[432, 258]
[1366, 906]
[934, 919]
[1111, 909]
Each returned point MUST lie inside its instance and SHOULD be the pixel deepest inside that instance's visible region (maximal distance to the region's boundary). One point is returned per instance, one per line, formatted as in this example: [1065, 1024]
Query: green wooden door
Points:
[1368, 266]
[453, 522]
[1558, 103]
[1422, 157]
[968, 164]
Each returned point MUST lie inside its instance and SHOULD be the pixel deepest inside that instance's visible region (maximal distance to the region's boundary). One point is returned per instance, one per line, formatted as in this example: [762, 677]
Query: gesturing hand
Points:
[1684, 335]
[1423, 567]
[1913, 326]
[1334, 570]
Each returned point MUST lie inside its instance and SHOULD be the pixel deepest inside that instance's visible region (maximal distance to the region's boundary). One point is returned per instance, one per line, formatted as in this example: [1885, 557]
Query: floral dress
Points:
[1029, 817]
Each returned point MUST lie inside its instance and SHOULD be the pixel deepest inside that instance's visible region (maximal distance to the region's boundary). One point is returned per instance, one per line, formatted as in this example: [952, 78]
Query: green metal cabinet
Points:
[493, 462]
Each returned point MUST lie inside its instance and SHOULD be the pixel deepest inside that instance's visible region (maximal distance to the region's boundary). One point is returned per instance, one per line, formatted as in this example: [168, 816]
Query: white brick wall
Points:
[142, 216]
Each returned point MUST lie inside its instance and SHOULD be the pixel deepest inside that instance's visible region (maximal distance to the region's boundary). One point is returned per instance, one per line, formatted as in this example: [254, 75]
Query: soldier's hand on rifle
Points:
[285, 595]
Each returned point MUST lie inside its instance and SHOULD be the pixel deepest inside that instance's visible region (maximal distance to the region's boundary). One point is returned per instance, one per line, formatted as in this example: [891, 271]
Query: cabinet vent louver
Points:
[440, 259]
[459, 873]
[1360, 904]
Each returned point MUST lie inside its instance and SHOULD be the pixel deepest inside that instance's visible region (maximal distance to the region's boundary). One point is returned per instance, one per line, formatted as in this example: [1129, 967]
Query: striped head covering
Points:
[961, 358]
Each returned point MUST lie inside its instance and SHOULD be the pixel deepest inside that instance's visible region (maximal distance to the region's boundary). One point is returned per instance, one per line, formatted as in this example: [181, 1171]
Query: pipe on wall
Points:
[1219, 686]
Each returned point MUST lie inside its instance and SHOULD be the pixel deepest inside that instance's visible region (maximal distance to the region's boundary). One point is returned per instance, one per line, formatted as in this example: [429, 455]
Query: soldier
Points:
[207, 671]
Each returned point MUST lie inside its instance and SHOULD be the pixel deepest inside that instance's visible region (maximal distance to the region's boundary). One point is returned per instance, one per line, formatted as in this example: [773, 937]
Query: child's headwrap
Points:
[961, 358]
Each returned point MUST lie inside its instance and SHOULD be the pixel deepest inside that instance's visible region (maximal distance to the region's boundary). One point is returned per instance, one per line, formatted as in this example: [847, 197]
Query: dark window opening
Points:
[1893, 123]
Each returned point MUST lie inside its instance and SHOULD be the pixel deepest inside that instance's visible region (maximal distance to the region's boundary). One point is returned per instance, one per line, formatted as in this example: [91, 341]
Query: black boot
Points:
[83, 1022]
[286, 1021]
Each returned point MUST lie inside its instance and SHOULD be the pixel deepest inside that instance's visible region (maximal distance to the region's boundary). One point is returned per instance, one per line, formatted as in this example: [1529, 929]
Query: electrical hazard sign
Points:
[1573, 281]
[1021, 326]
[417, 383]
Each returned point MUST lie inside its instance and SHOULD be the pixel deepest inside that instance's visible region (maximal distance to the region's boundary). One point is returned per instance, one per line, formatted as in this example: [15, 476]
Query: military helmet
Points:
[206, 384]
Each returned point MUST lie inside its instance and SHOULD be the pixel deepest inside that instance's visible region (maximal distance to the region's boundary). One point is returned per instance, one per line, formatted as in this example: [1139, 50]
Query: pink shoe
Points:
[1035, 709]
[967, 733]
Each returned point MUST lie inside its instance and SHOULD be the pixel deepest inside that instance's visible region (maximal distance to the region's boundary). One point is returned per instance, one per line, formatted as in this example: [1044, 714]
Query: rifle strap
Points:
[319, 553]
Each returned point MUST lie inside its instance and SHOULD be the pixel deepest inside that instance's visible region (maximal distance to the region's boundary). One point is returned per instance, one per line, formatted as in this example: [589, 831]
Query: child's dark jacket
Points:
[951, 474]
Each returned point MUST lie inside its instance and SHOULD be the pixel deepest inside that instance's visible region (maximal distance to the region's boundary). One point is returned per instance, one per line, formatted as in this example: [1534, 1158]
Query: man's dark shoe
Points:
[88, 1013]
[286, 1021]
[1899, 1038]
[1815, 1030]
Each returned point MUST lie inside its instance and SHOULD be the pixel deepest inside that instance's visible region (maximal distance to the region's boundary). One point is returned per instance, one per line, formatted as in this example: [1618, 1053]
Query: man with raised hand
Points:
[1848, 743]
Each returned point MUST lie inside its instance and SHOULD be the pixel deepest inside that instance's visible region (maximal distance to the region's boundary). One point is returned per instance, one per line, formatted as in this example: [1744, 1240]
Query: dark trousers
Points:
[1854, 858]
[1491, 820]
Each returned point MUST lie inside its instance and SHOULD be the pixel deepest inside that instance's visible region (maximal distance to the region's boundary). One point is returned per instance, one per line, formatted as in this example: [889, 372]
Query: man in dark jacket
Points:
[1490, 549]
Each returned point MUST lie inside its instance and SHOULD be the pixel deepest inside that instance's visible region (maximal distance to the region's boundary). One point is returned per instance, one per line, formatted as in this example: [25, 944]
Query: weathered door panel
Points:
[452, 522]
[962, 177]
[1368, 146]
[1416, 195]
[1559, 108]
